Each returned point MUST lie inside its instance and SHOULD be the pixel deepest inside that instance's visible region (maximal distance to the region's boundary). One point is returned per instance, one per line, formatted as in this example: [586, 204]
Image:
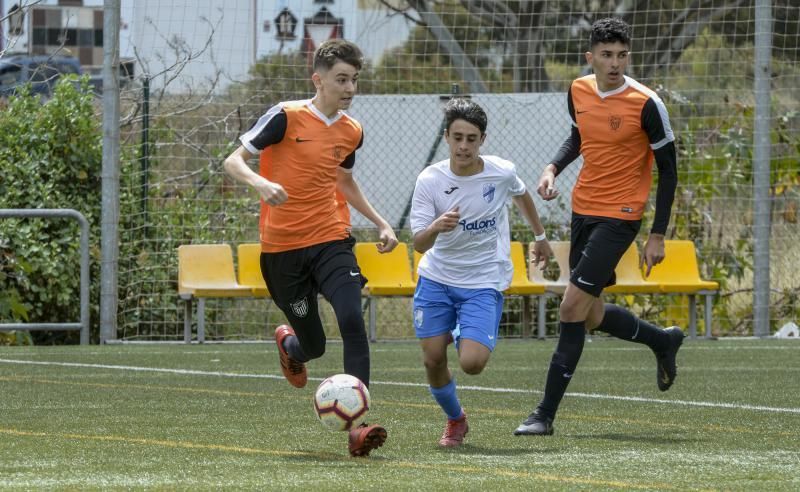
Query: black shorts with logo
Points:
[596, 246]
[295, 277]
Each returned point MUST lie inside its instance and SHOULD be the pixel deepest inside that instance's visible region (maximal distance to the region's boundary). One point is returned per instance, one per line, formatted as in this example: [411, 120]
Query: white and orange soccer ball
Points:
[341, 402]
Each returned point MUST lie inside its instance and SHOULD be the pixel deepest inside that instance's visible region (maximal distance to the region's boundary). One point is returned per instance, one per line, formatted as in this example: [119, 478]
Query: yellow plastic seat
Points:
[388, 275]
[249, 260]
[680, 274]
[521, 285]
[205, 270]
[629, 276]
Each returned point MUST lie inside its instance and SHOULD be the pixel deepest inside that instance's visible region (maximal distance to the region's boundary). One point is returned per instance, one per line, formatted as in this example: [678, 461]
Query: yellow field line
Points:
[382, 463]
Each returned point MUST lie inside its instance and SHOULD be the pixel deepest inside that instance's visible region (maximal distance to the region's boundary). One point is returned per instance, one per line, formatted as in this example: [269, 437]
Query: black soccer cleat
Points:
[666, 366]
[537, 424]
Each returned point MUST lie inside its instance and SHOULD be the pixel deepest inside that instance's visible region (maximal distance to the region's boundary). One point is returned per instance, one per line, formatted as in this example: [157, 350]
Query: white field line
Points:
[598, 396]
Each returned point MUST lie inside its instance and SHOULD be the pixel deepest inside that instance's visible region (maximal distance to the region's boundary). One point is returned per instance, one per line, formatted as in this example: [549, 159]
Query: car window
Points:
[66, 68]
[43, 73]
[10, 75]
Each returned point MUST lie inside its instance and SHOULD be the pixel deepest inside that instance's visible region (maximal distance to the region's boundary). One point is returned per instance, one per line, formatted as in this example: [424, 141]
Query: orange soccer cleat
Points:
[454, 432]
[365, 438]
[294, 371]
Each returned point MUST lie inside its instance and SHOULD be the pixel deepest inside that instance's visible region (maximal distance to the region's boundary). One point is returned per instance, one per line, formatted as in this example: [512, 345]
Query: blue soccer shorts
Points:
[472, 314]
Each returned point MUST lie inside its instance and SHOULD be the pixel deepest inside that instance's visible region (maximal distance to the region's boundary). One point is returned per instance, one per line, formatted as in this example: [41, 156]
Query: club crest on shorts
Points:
[488, 192]
[418, 318]
[300, 308]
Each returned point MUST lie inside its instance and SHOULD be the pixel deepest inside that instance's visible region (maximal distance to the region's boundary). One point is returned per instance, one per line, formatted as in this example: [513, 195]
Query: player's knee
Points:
[569, 310]
[435, 362]
[472, 366]
[350, 319]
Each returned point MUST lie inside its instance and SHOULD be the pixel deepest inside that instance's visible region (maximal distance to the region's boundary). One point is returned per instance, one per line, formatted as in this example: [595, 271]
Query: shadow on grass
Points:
[649, 439]
[494, 451]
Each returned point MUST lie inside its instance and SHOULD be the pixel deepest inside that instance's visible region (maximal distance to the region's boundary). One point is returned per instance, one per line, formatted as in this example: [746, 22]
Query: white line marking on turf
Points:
[194, 372]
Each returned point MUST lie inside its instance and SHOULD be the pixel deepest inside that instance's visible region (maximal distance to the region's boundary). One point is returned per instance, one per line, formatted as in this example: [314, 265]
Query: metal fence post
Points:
[84, 289]
[109, 244]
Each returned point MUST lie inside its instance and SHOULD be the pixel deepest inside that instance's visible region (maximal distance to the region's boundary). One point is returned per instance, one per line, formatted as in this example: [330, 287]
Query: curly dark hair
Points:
[460, 108]
[333, 51]
[610, 30]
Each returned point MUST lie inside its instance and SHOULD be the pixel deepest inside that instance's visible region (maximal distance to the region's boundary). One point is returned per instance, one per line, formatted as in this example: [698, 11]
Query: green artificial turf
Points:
[219, 416]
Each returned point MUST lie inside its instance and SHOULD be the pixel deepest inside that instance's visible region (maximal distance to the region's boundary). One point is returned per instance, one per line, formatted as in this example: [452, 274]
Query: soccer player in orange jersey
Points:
[307, 154]
[618, 126]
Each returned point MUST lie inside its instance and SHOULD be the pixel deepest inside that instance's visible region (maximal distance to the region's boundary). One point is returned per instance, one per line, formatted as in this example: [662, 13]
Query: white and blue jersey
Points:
[476, 254]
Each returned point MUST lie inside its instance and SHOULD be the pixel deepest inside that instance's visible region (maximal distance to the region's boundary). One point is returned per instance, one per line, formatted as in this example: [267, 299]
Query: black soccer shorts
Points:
[596, 246]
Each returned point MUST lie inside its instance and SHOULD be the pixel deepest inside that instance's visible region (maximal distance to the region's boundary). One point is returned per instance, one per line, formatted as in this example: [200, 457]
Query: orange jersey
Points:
[304, 158]
[618, 131]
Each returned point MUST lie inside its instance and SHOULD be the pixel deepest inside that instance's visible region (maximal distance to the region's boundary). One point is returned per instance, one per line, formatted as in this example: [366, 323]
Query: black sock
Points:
[622, 324]
[562, 366]
[292, 347]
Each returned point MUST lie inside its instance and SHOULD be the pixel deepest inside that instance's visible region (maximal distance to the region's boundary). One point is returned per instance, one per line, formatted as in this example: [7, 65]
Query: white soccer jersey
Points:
[476, 254]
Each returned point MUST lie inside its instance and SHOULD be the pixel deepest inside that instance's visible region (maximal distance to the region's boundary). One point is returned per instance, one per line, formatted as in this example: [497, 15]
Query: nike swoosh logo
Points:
[584, 111]
[354, 274]
[568, 375]
[491, 337]
[301, 140]
[584, 282]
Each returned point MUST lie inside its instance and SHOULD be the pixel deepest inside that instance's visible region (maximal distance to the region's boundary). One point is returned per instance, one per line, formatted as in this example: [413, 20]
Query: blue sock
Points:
[447, 399]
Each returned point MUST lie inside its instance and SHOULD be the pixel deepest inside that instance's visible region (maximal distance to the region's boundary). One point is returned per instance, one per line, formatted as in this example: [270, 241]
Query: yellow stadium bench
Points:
[680, 274]
[249, 260]
[388, 275]
[629, 276]
[522, 286]
[204, 271]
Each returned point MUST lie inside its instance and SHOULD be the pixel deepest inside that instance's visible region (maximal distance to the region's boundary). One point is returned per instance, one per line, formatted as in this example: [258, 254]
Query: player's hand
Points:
[273, 194]
[542, 252]
[387, 240]
[547, 184]
[653, 252]
[447, 221]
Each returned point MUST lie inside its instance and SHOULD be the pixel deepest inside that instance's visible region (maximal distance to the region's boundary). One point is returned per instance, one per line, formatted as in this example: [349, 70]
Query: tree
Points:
[535, 31]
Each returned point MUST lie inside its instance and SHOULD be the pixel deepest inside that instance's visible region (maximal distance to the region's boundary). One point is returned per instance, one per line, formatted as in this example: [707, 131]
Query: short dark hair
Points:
[460, 108]
[610, 30]
[333, 51]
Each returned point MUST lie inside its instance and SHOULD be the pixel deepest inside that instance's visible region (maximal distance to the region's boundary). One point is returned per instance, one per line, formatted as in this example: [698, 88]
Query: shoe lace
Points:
[452, 427]
[535, 416]
[294, 366]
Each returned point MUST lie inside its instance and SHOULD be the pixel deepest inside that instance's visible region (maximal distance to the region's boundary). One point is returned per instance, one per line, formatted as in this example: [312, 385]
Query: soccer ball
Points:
[341, 402]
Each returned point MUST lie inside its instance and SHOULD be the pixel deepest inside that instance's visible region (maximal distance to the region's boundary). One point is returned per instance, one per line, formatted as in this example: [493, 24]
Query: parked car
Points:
[41, 71]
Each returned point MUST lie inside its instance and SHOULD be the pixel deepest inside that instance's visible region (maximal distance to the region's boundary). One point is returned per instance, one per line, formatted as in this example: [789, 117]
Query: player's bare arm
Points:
[236, 167]
[423, 240]
[387, 240]
[542, 251]
[547, 183]
[653, 252]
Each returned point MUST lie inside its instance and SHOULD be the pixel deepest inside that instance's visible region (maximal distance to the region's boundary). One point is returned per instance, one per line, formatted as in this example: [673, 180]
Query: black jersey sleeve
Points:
[350, 160]
[666, 160]
[655, 122]
[268, 130]
[571, 148]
